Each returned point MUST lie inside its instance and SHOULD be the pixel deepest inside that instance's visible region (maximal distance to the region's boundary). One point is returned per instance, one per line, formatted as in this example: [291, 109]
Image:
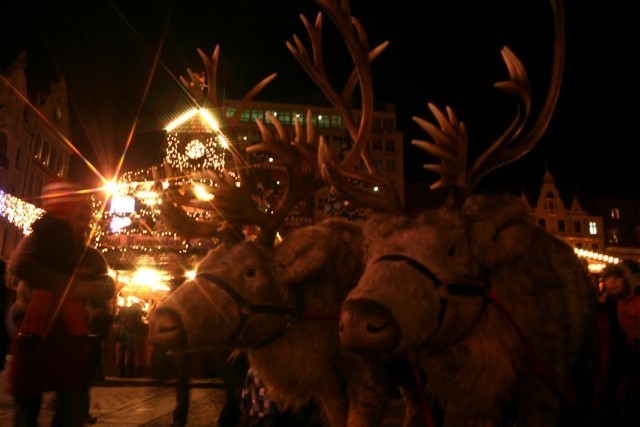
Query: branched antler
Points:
[172, 213]
[302, 151]
[294, 156]
[350, 185]
[450, 138]
[343, 178]
[450, 146]
[356, 41]
[203, 89]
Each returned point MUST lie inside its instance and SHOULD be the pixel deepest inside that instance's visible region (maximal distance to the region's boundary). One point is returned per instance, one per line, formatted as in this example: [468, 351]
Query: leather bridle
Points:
[247, 308]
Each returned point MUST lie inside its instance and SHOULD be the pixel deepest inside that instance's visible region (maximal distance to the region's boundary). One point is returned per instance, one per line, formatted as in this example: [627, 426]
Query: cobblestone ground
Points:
[131, 405]
[143, 405]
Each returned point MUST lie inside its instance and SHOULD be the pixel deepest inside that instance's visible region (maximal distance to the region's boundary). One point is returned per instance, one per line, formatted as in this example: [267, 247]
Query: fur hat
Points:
[59, 195]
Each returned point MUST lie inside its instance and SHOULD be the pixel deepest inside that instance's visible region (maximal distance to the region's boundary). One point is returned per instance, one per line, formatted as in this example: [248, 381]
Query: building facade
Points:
[607, 231]
[32, 144]
[569, 222]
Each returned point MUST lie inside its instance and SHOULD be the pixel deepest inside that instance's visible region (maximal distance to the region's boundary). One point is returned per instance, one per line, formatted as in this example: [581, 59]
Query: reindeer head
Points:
[427, 277]
[246, 293]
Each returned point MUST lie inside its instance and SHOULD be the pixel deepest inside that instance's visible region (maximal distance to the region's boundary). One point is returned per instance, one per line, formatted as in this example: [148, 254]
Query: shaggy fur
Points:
[475, 365]
[299, 358]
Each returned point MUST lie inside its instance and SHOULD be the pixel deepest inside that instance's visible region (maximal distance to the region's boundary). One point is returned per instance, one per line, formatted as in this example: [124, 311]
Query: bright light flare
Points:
[208, 117]
[151, 278]
[201, 193]
[111, 188]
[180, 120]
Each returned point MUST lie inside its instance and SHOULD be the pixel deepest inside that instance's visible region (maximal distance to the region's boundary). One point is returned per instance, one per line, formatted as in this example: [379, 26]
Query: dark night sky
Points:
[447, 53]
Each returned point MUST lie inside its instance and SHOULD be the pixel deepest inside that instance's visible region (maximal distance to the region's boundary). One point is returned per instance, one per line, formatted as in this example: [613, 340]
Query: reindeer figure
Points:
[498, 313]
[281, 303]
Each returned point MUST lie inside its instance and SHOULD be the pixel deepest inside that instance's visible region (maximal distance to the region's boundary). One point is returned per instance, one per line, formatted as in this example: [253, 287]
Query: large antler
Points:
[357, 43]
[302, 151]
[450, 143]
[450, 138]
[203, 89]
[182, 224]
[345, 177]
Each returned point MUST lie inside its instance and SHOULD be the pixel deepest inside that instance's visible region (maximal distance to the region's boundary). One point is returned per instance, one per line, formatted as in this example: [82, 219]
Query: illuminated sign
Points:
[122, 204]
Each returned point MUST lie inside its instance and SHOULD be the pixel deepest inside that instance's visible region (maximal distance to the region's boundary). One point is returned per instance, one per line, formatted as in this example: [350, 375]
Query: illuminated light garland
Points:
[200, 152]
[194, 141]
[19, 213]
[205, 150]
[583, 253]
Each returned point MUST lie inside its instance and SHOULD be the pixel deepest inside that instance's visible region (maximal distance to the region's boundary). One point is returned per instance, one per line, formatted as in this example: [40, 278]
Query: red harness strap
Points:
[424, 405]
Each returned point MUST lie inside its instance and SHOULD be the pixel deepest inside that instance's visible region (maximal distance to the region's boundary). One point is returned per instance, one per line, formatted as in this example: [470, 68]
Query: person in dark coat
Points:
[624, 342]
[50, 350]
[130, 322]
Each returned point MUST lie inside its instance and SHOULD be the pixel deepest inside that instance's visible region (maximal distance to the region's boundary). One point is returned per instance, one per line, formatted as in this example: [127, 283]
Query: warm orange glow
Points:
[204, 114]
[583, 253]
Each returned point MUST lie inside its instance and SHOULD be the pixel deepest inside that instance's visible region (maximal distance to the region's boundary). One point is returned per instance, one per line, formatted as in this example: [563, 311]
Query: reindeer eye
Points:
[250, 272]
[451, 251]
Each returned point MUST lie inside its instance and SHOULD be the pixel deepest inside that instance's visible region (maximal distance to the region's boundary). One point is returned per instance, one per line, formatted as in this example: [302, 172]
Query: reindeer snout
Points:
[165, 328]
[368, 326]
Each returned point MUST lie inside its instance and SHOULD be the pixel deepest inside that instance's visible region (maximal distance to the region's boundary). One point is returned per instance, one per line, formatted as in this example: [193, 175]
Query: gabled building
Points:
[32, 146]
[567, 219]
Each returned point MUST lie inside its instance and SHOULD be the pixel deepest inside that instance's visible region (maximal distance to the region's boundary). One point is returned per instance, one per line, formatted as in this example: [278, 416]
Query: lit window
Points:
[593, 228]
[324, 121]
[615, 213]
[257, 114]
[229, 111]
[612, 236]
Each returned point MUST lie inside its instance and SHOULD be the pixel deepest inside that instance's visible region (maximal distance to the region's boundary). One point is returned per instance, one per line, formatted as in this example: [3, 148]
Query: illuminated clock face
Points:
[195, 149]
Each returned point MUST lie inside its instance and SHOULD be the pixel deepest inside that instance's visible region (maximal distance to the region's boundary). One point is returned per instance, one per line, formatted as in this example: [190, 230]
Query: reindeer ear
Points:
[301, 254]
[501, 229]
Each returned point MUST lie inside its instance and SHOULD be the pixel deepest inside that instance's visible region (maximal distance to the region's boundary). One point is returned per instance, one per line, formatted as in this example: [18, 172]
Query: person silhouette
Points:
[129, 321]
